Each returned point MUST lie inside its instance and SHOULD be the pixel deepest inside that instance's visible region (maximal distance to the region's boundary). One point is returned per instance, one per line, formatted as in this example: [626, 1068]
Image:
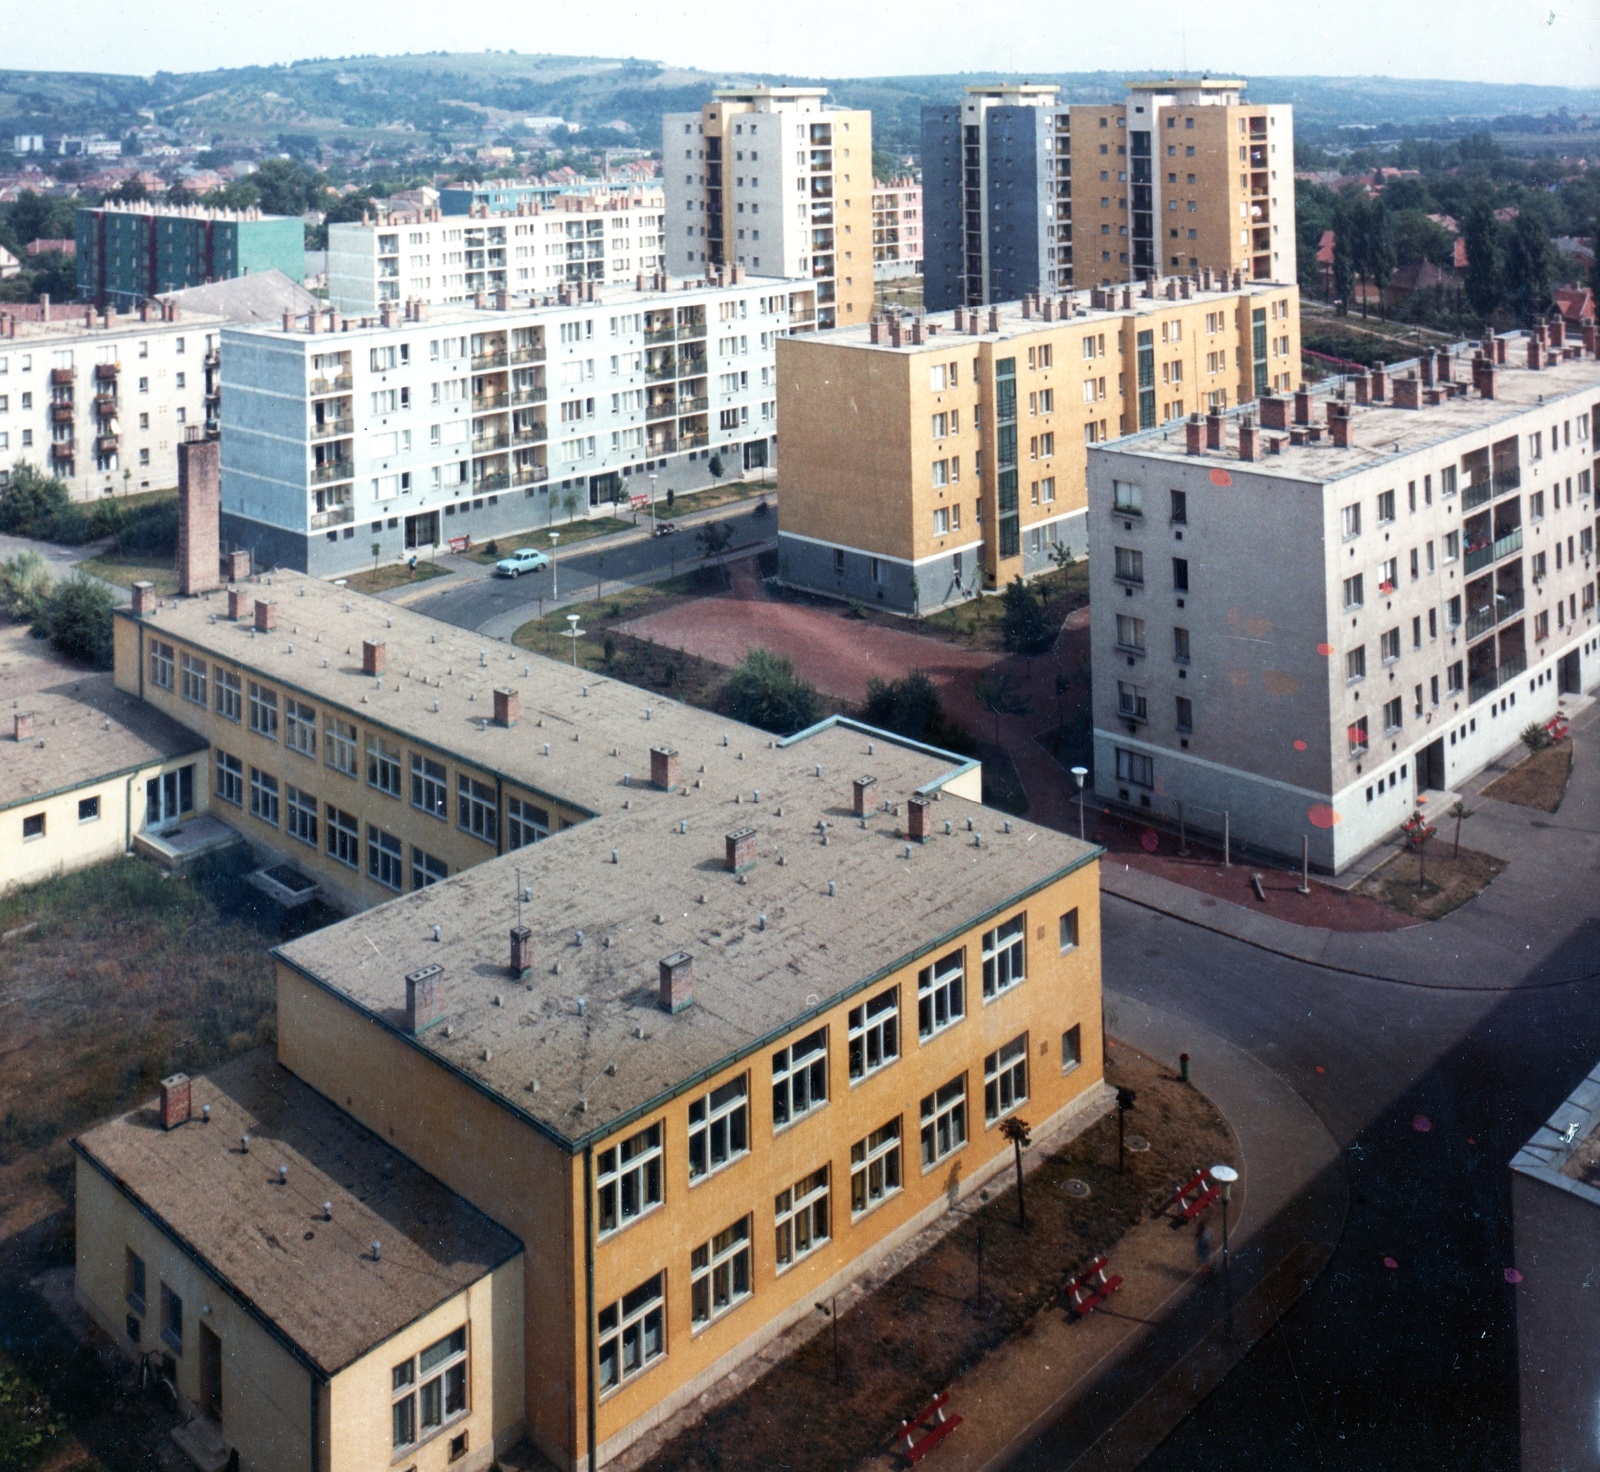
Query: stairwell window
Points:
[1393, 716]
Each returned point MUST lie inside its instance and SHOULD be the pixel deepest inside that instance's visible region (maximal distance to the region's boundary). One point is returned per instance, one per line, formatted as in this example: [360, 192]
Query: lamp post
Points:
[1225, 1176]
[574, 633]
[555, 576]
[1078, 774]
[652, 503]
[830, 1310]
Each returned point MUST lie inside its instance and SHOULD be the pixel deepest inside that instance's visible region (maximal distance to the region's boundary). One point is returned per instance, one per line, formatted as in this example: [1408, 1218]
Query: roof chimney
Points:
[917, 818]
[875, 332]
[1535, 353]
[1247, 438]
[1213, 430]
[1408, 392]
[663, 768]
[424, 997]
[1194, 435]
[174, 1101]
[1380, 383]
[1274, 412]
[1499, 350]
[507, 707]
[960, 316]
[144, 599]
[740, 851]
[1339, 426]
[238, 602]
[994, 319]
[374, 656]
[1302, 405]
[1363, 388]
[266, 616]
[677, 981]
[861, 790]
[521, 950]
[22, 725]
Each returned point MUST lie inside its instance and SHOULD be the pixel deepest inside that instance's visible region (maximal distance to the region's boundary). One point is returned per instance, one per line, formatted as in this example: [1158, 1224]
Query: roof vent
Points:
[424, 997]
[677, 981]
[740, 851]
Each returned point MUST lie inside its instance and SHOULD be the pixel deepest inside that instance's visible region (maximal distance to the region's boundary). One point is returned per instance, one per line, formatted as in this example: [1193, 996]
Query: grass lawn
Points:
[539, 538]
[1540, 781]
[710, 498]
[393, 575]
[977, 623]
[126, 569]
[1448, 882]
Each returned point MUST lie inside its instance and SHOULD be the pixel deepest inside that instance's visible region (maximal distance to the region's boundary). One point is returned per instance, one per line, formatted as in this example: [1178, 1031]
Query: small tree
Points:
[77, 619]
[1023, 629]
[31, 498]
[569, 504]
[24, 587]
[909, 707]
[1016, 1130]
[715, 537]
[765, 691]
[995, 695]
[1459, 811]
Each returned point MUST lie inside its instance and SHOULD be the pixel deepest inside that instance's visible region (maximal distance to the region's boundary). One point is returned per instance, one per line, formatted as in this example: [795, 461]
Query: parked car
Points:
[524, 559]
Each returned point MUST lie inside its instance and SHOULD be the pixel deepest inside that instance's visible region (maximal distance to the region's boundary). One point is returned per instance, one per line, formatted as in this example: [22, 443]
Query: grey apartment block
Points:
[942, 270]
[885, 582]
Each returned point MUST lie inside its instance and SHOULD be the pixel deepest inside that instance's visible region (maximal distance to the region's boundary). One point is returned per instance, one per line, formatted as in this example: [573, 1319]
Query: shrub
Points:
[1536, 738]
[24, 587]
[765, 691]
[31, 497]
[77, 620]
[151, 528]
[1023, 628]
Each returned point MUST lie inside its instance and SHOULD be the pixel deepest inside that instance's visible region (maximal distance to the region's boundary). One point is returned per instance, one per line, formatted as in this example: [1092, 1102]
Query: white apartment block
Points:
[103, 400]
[448, 260]
[346, 441]
[1310, 622]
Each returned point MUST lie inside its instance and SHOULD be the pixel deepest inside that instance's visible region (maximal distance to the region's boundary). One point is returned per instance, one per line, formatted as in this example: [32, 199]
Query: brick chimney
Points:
[1535, 353]
[875, 332]
[1558, 333]
[1194, 435]
[677, 981]
[1274, 412]
[1247, 438]
[1380, 383]
[1500, 350]
[266, 616]
[174, 1101]
[144, 599]
[663, 768]
[994, 319]
[238, 603]
[424, 997]
[1484, 375]
[506, 706]
[374, 655]
[1425, 369]
[1302, 406]
[521, 950]
[917, 818]
[1363, 389]
[1213, 430]
[740, 850]
[1339, 426]
[1408, 392]
[22, 726]
[1442, 365]
[199, 515]
[861, 795]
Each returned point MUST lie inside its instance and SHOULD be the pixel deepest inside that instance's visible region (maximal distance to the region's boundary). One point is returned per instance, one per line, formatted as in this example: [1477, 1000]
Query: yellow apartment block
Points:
[84, 771]
[928, 458]
[750, 1020]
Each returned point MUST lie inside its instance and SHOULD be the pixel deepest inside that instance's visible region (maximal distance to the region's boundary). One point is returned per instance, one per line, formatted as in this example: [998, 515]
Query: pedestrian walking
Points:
[1203, 1249]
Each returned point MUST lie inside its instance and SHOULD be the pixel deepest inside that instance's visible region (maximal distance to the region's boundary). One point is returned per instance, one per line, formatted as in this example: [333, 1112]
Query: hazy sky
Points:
[1547, 41]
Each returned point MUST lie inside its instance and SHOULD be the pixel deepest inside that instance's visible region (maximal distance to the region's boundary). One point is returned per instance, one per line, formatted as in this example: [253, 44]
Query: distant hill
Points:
[463, 94]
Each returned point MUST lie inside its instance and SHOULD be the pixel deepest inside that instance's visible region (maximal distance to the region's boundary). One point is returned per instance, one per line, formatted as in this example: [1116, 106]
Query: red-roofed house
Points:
[1576, 304]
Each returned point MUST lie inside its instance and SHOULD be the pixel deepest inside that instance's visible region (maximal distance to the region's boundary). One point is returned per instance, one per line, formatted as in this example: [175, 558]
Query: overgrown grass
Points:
[127, 568]
[393, 575]
[538, 538]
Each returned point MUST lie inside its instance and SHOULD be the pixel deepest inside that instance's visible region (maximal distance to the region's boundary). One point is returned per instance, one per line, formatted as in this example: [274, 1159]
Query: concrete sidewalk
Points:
[1103, 1392]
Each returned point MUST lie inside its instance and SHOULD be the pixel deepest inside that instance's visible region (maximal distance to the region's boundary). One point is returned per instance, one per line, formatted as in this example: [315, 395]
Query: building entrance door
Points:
[210, 1374]
[1430, 767]
[167, 798]
[422, 531]
[1569, 674]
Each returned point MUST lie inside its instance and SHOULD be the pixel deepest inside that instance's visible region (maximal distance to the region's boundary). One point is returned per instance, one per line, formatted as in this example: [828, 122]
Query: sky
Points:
[1554, 42]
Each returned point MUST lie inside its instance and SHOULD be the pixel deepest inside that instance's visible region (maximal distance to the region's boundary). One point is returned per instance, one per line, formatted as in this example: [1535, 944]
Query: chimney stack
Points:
[238, 602]
[1408, 392]
[677, 981]
[199, 515]
[1442, 365]
[1194, 435]
[663, 768]
[144, 599]
[1274, 412]
[521, 951]
[22, 726]
[374, 656]
[740, 850]
[875, 332]
[1339, 426]
[174, 1101]
[1425, 367]
[1247, 438]
[1302, 405]
[266, 616]
[1213, 430]
[994, 319]
[1535, 353]
[1500, 350]
[1363, 388]
[424, 998]
[507, 706]
[917, 818]
[861, 790]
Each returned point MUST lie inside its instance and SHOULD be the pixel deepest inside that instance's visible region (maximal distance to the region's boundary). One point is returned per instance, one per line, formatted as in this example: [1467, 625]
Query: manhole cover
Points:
[1077, 1188]
[1138, 1143]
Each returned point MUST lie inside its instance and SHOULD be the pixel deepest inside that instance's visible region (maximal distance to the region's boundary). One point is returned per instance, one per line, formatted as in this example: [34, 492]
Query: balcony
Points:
[1511, 668]
[1481, 685]
[528, 434]
[61, 413]
[337, 517]
[1507, 480]
[661, 445]
[528, 475]
[665, 408]
[661, 373]
[496, 481]
[693, 406]
[332, 470]
[527, 396]
[484, 444]
[527, 355]
[107, 372]
[340, 385]
[105, 444]
[1478, 557]
[656, 335]
[60, 377]
[1476, 493]
[1506, 545]
[490, 403]
[331, 428]
[694, 441]
[1480, 621]
[105, 404]
[497, 359]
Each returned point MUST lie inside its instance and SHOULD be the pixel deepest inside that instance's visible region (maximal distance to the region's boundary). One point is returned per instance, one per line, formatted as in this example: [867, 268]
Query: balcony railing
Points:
[1476, 493]
[693, 406]
[488, 403]
[482, 444]
[1507, 480]
[332, 470]
[693, 441]
[528, 475]
[497, 481]
[527, 355]
[105, 404]
[1478, 557]
[342, 385]
[61, 413]
[337, 517]
[331, 428]
[1481, 685]
[60, 376]
[655, 335]
[497, 359]
[528, 395]
[107, 372]
[661, 374]
[661, 409]
[527, 434]
[1506, 545]
[1511, 668]
[1480, 621]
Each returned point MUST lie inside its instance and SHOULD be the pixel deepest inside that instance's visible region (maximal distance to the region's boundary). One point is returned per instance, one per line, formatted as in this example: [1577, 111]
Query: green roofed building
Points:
[129, 253]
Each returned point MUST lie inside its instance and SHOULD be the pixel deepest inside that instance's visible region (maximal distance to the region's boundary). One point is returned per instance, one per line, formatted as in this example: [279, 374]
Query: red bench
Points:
[1556, 727]
[460, 544]
[932, 1422]
[1194, 1196]
[1092, 1287]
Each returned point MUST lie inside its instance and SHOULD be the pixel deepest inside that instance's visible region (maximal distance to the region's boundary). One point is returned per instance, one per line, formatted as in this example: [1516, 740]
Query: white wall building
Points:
[447, 259]
[102, 400]
[404, 432]
[1309, 622]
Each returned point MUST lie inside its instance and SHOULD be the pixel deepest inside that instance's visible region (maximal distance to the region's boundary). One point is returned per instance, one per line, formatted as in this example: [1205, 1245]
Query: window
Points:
[719, 1128]
[1135, 767]
[1180, 574]
[385, 859]
[1180, 645]
[1185, 713]
[264, 796]
[941, 999]
[875, 1168]
[192, 673]
[1392, 715]
[941, 520]
[300, 817]
[1388, 575]
[526, 822]
[133, 1280]
[800, 1077]
[1180, 506]
[161, 664]
[1005, 956]
[1130, 632]
[228, 694]
[632, 1333]
[1455, 678]
[426, 870]
[628, 1179]
[430, 1389]
[1132, 703]
[1389, 645]
[1385, 507]
[719, 1273]
[1127, 499]
[88, 809]
[428, 788]
[1130, 565]
[33, 826]
[874, 1034]
[300, 727]
[1352, 592]
[230, 779]
[1358, 736]
[944, 1121]
[476, 808]
[264, 711]
[1452, 612]
[1005, 1079]
[801, 1216]
[171, 1319]
[1355, 664]
[1350, 519]
[344, 837]
[339, 744]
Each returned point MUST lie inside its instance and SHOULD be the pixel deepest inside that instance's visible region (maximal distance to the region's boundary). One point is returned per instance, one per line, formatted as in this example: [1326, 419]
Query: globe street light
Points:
[1079, 773]
[574, 633]
[1225, 1176]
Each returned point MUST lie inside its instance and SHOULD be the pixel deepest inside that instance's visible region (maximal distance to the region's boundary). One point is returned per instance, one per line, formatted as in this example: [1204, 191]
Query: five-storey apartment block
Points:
[1024, 192]
[770, 179]
[1312, 619]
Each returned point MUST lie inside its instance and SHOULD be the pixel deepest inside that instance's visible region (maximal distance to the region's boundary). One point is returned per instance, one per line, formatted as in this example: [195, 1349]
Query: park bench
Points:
[1091, 1288]
[1556, 727]
[934, 1425]
[1194, 1196]
[460, 544]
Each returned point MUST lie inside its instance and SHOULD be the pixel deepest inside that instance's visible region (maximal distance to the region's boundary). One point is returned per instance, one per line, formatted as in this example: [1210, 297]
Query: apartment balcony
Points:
[527, 355]
[482, 362]
[661, 373]
[1480, 621]
[339, 516]
[1477, 493]
[662, 408]
[60, 377]
[527, 396]
[656, 335]
[694, 441]
[1509, 543]
[484, 444]
[105, 444]
[1481, 685]
[1507, 479]
[497, 480]
[332, 470]
[530, 475]
[661, 445]
[341, 385]
[105, 404]
[332, 428]
[213, 358]
[528, 434]
[693, 405]
[107, 372]
[1511, 668]
[490, 403]
[62, 413]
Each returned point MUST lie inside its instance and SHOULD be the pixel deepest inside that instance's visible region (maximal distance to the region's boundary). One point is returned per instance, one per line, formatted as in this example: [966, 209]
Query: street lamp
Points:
[1078, 774]
[830, 1310]
[574, 633]
[1225, 1176]
[652, 502]
[555, 576]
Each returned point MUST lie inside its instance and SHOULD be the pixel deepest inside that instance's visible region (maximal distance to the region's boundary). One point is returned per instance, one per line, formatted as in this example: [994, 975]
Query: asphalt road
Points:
[1405, 1368]
[588, 566]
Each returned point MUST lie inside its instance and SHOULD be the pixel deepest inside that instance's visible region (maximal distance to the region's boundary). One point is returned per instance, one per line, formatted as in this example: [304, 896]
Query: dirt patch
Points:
[1445, 882]
[394, 575]
[1538, 782]
[913, 1335]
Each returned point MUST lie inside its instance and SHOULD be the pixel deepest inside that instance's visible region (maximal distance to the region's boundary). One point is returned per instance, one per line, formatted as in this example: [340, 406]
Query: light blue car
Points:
[524, 559]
